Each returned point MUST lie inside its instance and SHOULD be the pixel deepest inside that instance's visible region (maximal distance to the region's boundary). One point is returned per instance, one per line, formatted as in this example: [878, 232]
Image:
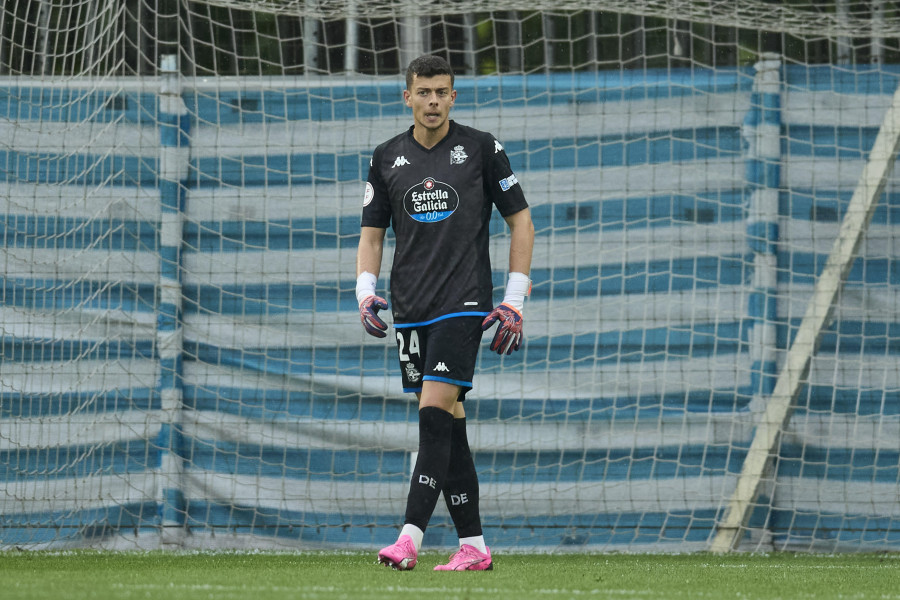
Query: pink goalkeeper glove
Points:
[508, 336]
[370, 304]
[368, 314]
[509, 332]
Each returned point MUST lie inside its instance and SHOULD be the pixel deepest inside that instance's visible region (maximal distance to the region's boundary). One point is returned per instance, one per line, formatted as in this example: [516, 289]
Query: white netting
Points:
[182, 358]
[814, 19]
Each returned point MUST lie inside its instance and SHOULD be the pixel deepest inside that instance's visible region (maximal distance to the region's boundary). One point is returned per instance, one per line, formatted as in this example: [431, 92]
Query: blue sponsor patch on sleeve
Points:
[507, 183]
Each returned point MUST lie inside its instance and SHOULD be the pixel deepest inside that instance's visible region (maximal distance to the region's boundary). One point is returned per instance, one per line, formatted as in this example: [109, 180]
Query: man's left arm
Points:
[508, 336]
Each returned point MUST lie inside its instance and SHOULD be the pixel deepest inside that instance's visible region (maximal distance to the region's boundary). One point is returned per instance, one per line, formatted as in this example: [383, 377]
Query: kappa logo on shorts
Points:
[441, 367]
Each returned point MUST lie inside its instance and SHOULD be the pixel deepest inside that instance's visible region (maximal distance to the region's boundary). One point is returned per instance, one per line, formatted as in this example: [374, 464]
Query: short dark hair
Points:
[428, 66]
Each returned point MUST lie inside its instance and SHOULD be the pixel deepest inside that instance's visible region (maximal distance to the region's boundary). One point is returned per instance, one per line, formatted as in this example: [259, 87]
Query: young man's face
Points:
[430, 99]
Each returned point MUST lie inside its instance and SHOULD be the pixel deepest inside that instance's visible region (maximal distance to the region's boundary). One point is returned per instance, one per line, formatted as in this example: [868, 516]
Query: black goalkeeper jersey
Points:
[439, 203]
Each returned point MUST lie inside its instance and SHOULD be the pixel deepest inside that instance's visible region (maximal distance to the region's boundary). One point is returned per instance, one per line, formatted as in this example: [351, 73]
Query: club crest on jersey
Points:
[430, 201]
[458, 155]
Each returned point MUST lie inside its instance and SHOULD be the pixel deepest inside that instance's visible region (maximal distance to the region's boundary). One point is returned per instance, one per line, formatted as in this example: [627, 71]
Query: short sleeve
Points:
[501, 182]
[376, 200]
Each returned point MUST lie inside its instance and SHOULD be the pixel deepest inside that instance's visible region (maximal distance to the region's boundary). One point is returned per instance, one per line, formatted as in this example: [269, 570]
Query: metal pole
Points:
[549, 32]
[877, 42]
[174, 129]
[311, 33]
[412, 39]
[844, 50]
[469, 41]
[762, 130]
[4, 68]
[351, 48]
[43, 40]
[514, 42]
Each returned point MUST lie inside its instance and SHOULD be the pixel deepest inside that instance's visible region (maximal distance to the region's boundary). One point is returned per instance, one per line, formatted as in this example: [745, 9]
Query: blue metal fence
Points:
[182, 352]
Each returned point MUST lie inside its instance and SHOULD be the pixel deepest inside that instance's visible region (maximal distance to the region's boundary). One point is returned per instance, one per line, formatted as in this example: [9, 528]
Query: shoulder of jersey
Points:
[481, 136]
[484, 139]
[388, 143]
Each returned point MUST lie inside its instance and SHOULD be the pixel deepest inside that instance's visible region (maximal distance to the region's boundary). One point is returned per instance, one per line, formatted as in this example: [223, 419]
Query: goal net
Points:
[183, 364]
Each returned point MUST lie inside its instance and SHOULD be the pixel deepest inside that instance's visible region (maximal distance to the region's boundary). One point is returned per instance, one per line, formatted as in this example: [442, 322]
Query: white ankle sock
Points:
[415, 533]
[476, 542]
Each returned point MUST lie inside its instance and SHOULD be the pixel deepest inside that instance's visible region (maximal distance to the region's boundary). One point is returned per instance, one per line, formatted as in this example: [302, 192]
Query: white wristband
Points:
[517, 287]
[365, 286]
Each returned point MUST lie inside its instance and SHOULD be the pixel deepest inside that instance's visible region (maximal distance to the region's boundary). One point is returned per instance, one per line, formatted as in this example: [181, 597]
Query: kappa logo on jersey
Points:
[441, 367]
[430, 201]
[458, 155]
[399, 162]
[497, 147]
[506, 184]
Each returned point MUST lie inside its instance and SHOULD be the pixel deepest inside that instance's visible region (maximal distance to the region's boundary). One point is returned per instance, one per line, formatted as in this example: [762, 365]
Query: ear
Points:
[407, 96]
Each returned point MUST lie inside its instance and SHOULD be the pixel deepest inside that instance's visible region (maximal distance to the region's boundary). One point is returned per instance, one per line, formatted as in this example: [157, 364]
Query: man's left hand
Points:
[509, 331]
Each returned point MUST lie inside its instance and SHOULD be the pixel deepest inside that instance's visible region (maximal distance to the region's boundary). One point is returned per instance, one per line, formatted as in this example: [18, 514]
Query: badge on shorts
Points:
[412, 374]
[458, 155]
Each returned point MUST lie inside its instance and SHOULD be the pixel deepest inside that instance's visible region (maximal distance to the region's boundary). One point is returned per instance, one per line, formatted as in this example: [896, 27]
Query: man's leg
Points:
[461, 490]
[436, 404]
[462, 497]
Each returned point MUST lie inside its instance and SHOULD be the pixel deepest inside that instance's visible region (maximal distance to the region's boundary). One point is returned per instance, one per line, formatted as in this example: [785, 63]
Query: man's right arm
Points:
[368, 255]
[368, 266]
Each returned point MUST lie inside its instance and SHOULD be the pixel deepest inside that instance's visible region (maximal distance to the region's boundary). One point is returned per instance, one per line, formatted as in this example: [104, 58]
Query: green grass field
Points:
[270, 576]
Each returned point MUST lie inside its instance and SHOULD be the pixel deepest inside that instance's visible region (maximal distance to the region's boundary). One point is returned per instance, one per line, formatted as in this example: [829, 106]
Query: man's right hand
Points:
[368, 314]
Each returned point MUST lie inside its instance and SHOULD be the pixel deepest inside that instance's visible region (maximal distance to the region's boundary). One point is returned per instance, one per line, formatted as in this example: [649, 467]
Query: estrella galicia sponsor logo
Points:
[430, 201]
[507, 183]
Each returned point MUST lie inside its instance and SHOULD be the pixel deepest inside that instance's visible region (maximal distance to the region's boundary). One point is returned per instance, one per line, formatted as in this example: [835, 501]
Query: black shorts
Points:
[444, 350]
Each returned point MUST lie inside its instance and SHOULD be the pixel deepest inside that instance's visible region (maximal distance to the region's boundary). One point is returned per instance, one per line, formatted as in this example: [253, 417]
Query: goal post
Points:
[181, 360]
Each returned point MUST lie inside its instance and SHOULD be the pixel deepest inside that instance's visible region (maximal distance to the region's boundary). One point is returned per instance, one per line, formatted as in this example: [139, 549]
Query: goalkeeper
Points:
[436, 185]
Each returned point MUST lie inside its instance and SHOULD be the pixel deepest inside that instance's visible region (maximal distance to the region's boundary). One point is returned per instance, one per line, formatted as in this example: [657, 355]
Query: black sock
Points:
[461, 489]
[430, 472]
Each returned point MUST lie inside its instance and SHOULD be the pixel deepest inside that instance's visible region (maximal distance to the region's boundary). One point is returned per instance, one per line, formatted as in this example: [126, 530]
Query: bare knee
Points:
[440, 395]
